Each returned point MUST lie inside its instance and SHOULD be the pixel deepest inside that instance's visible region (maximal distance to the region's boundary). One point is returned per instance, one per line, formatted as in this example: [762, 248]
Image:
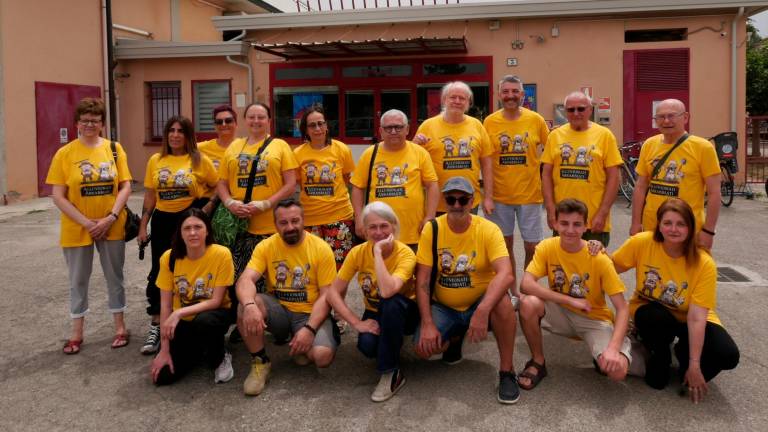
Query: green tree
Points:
[757, 72]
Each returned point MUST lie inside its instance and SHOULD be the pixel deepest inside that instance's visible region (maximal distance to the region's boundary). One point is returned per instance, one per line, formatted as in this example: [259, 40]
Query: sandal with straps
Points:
[535, 379]
[72, 346]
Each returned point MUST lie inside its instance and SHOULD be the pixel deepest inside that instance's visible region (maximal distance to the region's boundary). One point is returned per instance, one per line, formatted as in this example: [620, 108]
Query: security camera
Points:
[723, 34]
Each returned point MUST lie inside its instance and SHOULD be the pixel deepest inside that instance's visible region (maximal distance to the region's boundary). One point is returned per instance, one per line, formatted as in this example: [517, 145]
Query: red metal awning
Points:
[368, 48]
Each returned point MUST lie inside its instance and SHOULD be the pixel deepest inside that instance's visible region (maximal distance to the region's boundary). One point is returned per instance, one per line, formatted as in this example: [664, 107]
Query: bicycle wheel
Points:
[627, 181]
[726, 187]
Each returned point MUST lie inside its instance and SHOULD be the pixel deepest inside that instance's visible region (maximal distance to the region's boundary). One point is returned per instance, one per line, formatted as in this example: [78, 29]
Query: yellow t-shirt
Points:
[176, 183]
[215, 153]
[456, 150]
[667, 280]
[92, 179]
[193, 281]
[400, 264]
[465, 260]
[398, 180]
[579, 160]
[516, 177]
[683, 175]
[294, 274]
[324, 192]
[578, 275]
[275, 159]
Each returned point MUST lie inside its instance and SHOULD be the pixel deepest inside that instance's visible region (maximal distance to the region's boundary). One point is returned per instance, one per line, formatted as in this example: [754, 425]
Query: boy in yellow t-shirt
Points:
[574, 304]
[298, 267]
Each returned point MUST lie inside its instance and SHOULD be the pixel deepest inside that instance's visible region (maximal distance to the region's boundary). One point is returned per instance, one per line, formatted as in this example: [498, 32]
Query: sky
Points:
[760, 20]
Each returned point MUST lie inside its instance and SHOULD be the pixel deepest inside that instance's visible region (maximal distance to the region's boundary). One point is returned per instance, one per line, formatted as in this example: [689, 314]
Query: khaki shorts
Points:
[595, 333]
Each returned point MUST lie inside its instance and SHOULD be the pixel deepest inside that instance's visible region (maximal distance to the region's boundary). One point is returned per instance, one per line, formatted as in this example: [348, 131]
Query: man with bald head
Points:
[690, 169]
[581, 160]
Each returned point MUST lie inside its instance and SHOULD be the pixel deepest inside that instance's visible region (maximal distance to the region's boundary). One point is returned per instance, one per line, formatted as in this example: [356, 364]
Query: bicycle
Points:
[630, 153]
[726, 144]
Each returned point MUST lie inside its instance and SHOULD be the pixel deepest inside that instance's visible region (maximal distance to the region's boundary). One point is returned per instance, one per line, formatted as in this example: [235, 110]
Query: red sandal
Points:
[121, 340]
[72, 346]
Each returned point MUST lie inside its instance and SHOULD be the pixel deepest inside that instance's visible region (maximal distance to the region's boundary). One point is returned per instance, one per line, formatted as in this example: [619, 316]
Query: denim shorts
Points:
[449, 322]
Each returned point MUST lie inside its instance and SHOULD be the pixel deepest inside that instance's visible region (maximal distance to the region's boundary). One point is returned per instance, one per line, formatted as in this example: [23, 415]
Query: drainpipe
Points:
[734, 59]
[249, 99]
[109, 82]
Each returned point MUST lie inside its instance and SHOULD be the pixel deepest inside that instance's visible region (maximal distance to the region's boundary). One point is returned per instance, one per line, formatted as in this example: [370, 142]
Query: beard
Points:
[291, 237]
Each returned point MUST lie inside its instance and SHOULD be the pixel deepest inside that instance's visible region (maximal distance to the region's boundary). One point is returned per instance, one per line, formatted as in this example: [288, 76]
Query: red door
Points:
[55, 115]
[650, 76]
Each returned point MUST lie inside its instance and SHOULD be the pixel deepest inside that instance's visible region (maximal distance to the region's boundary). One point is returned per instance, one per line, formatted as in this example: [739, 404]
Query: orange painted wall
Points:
[30, 55]
[154, 16]
[133, 103]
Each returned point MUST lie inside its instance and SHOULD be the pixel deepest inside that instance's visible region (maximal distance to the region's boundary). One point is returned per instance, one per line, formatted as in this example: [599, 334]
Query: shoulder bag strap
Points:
[114, 152]
[433, 274]
[370, 172]
[664, 158]
[252, 173]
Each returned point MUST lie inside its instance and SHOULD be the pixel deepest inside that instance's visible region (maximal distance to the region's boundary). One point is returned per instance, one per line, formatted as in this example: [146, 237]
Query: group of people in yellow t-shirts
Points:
[408, 235]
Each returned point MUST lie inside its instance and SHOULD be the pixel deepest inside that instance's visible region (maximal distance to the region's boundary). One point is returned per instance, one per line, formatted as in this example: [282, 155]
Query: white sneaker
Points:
[224, 371]
[389, 384]
[152, 341]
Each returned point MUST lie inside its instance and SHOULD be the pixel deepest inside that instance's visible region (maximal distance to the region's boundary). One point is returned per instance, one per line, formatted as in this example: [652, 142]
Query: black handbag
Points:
[132, 220]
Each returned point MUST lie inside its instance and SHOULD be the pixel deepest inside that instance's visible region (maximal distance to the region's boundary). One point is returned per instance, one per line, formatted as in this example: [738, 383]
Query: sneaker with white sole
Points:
[224, 371]
[257, 379]
[389, 384]
[152, 341]
[509, 390]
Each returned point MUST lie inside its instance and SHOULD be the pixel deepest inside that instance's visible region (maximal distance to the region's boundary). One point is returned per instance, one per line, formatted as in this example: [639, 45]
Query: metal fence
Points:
[756, 169]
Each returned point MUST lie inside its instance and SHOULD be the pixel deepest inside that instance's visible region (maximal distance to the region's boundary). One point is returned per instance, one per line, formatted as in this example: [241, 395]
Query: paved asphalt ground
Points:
[104, 389]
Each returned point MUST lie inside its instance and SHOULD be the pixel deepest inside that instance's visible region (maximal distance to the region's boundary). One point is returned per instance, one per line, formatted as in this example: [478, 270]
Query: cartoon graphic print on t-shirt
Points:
[513, 149]
[667, 293]
[458, 156]
[295, 289]
[172, 186]
[244, 161]
[667, 181]
[369, 287]
[191, 294]
[575, 162]
[104, 175]
[390, 182]
[321, 179]
[455, 270]
[576, 283]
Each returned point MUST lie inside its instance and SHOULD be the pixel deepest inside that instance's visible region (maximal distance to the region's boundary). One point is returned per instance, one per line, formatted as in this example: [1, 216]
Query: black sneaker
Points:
[452, 355]
[509, 392]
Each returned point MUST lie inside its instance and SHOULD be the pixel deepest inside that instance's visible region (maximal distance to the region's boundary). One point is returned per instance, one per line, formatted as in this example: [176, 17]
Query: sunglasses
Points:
[227, 120]
[316, 125]
[393, 128]
[462, 200]
[578, 108]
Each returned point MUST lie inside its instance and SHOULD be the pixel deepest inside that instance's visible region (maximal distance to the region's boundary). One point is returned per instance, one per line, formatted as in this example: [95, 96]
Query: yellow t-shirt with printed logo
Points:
[193, 281]
[456, 150]
[215, 153]
[294, 274]
[668, 281]
[176, 183]
[400, 264]
[515, 144]
[275, 159]
[324, 192]
[91, 177]
[398, 180]
[466, 260]
[578, 275]
[579, 160]
[683, 175]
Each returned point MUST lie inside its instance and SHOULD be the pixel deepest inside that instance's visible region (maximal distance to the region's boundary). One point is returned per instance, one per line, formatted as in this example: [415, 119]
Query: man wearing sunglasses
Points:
[581, 160]
[471, 284]
[225, 124]
[402, 176]
[690, 169]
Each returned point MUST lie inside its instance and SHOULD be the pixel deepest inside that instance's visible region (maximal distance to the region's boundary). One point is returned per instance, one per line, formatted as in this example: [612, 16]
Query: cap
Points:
[458, 184]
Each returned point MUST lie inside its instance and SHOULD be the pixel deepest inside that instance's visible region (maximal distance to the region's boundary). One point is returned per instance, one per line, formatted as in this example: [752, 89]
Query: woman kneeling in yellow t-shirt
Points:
[384, 267]
[675, 296]
[194, 305]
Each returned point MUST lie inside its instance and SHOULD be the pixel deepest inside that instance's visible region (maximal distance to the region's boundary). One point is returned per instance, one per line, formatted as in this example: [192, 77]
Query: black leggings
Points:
[202, 337]
[163, 227]
[657, 328]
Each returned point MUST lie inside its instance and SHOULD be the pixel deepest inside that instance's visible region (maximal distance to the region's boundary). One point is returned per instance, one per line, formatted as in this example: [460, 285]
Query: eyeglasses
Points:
[89, 122]
[178, 130]
[578, 108]
[226, 120]
[662, 117]
[462, 200]
[316, 125]
[393, 128]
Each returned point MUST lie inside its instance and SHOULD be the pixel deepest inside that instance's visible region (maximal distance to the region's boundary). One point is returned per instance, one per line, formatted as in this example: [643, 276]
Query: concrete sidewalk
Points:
[104, 389]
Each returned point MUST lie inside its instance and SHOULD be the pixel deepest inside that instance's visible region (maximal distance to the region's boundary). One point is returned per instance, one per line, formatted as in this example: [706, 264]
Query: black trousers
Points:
[657, 328]
[200, 338]
[163, 227]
